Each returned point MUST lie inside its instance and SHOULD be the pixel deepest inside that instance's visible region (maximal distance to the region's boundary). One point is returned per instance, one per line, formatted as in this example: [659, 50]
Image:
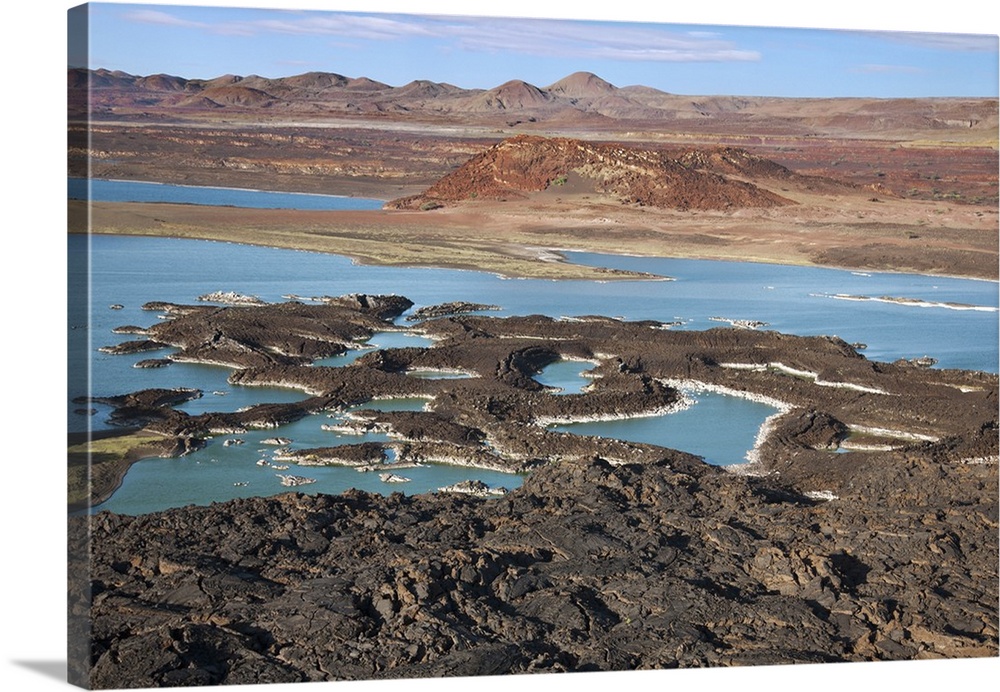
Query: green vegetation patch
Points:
[108, 459]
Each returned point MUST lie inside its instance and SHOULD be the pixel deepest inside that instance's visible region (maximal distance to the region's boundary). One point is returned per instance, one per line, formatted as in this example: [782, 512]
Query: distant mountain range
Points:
[580, 99]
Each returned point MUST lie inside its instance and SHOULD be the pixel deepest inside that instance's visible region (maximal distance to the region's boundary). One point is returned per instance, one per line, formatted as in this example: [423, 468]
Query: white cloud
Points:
[963, 43]
[678, 55]
[354, 26]
[528, 36]
[583, 39]
[162, 18]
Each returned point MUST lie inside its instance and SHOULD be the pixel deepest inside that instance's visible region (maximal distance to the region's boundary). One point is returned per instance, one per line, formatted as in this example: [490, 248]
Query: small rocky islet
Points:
[611, 556]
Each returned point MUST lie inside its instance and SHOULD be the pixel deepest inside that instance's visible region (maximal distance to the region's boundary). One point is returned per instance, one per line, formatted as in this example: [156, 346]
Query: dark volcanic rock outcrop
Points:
[459, 307]
[496, 416]
[281, 333]
[586, 567]
[144, 407]
[129, 347]
[611, 556]
[687, 180]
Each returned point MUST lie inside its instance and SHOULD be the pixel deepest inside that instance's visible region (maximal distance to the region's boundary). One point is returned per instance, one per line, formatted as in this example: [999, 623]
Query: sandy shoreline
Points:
[522, 241]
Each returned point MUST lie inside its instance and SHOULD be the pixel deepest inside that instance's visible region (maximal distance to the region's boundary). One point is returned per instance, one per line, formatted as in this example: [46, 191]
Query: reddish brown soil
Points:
[689, 180]
[961, 175]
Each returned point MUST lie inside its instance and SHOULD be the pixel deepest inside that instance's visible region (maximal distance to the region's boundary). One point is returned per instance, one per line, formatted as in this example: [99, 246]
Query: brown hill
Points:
[246, 97]
[162, 82]
[581, 84]
[316, 81]
[733, 161]
[512, 95]
[580, 99]
[366, 83]
[689, 180]
[424, 89]
[221, 81]
[590, 94]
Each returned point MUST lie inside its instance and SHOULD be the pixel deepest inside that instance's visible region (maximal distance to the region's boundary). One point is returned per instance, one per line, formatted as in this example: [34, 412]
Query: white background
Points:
[32, 460]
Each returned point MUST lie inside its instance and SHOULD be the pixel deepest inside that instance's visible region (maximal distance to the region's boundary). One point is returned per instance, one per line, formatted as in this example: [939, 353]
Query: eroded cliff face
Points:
[611, 556]
[700, 180]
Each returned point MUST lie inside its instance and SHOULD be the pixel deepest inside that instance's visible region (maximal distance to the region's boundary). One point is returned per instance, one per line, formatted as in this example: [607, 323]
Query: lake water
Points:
[811, 301]
[218, 473]
[130, 271]
[566, 376]
[131, 191]
[694, 429]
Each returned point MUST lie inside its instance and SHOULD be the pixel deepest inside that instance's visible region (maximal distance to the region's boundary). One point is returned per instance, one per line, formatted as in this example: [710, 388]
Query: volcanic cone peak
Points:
[236, 95]
[518, 166]
[316, 80]
[513, 95]
[581, 84]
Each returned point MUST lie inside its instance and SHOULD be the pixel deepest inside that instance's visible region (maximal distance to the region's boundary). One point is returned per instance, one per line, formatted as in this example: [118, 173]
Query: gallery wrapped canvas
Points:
[435, 346]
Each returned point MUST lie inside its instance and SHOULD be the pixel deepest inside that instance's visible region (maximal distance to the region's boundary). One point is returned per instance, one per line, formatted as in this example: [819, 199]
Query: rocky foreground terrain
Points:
[864, 530]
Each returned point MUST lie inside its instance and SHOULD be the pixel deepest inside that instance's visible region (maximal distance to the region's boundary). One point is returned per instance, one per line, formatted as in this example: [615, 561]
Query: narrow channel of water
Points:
[379, 340]
[428, 374]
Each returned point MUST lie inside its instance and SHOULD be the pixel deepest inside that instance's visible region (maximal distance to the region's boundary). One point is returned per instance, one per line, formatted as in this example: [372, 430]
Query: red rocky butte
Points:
[693, 179]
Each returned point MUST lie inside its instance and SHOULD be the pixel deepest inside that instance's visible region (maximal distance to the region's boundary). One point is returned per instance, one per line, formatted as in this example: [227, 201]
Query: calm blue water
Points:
[566, 376]
[131, 271]
[130, 191]
[798, 300]
[695, 429]
[212, 474]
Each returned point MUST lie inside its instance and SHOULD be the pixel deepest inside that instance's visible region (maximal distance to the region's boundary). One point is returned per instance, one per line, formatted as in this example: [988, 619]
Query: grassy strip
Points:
[96, 468]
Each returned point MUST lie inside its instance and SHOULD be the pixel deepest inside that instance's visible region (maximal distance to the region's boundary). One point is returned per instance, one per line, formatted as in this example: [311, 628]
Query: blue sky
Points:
[482, 52]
